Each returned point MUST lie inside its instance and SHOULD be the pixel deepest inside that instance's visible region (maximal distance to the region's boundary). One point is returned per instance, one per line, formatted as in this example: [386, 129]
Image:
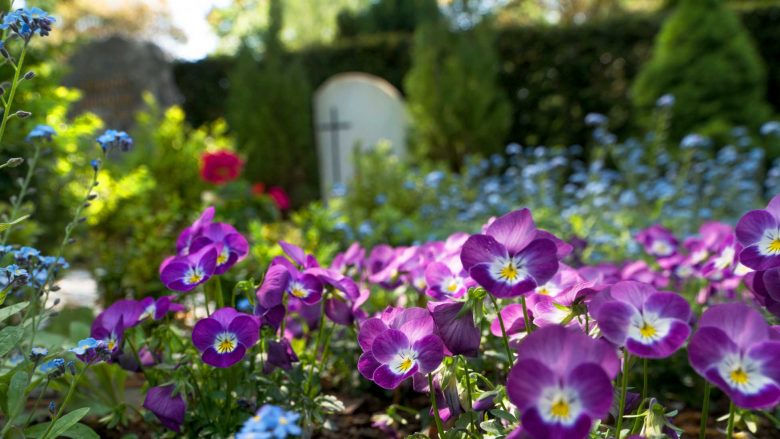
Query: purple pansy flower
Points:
[650, 324]
[183, 273]
[345, 297]
[168, 408]
[280, 354]
[735, 349]
[512, 315]
[759, 233]
[224, 337]
[398, 345]
[561, 382]
[231, 246]
[189, 234]
[157, 308]
[109, 326]
[446, 280]
[765, 286]
[458, 332]
[658, 241]
[509, 260]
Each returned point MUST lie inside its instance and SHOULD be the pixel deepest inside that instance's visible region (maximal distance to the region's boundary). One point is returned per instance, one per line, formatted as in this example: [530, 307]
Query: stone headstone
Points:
[355, 110]
[113, 75]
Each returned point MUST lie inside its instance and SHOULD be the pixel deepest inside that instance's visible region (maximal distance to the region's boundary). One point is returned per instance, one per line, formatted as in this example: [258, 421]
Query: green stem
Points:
[37, 401]
[50, 272]
[643, 400]
[14, 85]
[468, 392]
[705, 410]
[644, 379]
[436, 417]
[71, 389]
[22, 191]
[509, 355]
[730, 427]
[320, 330]
[623, 388]
[529, 327]
[135, 353]
[219, 299]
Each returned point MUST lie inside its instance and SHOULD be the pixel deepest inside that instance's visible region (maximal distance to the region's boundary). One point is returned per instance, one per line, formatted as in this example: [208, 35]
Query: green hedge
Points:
[554, 75]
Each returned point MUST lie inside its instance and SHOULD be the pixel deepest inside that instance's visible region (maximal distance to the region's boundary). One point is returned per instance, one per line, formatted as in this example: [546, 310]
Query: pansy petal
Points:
[387, 344]
[752, 226]
[742, 324]
[430, 353]
[418, 328]
[224, 316]
[246, 328]
[369, 329]
[751, 257]
[213, 358]
[540, 260]
[481, 250]
[614, 319]
[514, 230]
[204, 333]
[768, 355]
[526, 381]
[367, 365]
[594, 388]
[538, 428]
[385, 378]
[669, 305]
[271, 292]
[707, 347]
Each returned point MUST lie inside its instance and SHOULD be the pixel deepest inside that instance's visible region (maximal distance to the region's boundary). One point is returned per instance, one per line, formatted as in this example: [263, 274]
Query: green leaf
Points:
[9, 337]
[17, 394]
[64, 424]
[6, 226]
[76, 431]
[504, 415]
[491, 426]
[8, 311]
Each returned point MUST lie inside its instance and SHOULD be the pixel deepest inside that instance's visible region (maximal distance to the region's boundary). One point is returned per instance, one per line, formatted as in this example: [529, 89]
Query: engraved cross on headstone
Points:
[334, 126]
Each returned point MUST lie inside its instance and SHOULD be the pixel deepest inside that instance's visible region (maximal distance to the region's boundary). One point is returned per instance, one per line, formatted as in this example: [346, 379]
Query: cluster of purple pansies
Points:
[204, 249]
[566, 323]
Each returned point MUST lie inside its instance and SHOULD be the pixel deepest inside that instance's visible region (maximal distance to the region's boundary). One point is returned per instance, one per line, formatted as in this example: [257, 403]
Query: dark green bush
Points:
[269, 112]
[387, 15]
[705, 58]
[456, 106]
[553, 75]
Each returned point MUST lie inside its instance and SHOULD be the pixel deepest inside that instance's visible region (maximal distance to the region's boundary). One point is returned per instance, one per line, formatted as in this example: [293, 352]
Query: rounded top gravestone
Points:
[355, 110]
[113, 75]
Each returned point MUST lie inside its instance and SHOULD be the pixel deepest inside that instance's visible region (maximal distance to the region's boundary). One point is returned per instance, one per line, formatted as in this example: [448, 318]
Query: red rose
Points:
[280, 197]
[220, 167]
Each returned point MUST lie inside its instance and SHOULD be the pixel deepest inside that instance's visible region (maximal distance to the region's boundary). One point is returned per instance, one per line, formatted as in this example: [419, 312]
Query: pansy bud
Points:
[52, 407]
[21, 114]
[14, 162]
[29, 75]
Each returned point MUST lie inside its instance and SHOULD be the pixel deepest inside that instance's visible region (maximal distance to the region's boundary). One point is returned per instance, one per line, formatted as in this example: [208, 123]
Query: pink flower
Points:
[220, 167]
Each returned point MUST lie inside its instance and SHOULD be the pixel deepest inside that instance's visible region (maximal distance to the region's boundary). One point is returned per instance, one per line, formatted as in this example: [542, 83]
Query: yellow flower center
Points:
[739, 376]
[405, 365]
[452, 287]
[543, 291]
[194, 276]
[282, 420]
[111, 344]
[647, 330]
[560, 409]
[223, 257]
[225, 343]
[774, 245]
[509, 271]
[298, 292]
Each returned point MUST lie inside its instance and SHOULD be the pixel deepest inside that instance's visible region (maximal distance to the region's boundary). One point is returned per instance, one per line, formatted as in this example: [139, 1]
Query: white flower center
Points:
[403, 361]
[298, 290]
[648, 328]
[508, 270]
[743, 374]
[725, 259]
[559, 405]
[661, 248]
[225, 343]
[769, 245]
[224, 255]
[194, 275]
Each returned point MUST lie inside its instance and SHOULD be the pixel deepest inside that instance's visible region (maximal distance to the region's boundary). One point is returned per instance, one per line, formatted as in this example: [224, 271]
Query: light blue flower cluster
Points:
[604, 194]
[271, 422]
